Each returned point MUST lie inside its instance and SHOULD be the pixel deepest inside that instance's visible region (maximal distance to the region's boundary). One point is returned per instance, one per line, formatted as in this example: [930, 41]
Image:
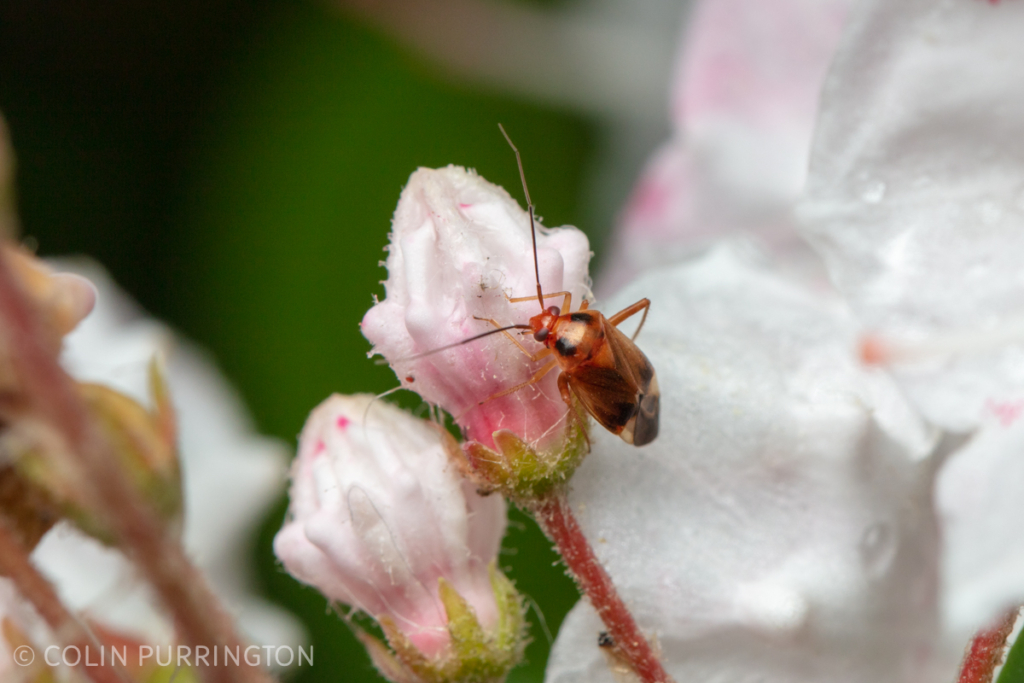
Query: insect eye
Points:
[541, 334]
[554, 310]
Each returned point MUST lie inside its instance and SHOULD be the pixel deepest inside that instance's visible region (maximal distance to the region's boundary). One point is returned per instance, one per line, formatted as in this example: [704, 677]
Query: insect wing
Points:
[619, 389]
[632, 362]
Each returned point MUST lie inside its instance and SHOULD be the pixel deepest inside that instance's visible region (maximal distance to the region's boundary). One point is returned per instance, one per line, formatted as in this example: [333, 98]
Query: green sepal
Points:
[474, 655]
[511, 634]
[521, 472]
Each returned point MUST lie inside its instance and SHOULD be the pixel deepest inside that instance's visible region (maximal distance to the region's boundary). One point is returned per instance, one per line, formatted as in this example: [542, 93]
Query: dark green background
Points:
[235, 166]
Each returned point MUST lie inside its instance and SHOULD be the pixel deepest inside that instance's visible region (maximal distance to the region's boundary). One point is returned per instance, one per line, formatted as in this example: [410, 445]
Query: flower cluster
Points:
[804, 517]
[828, 199]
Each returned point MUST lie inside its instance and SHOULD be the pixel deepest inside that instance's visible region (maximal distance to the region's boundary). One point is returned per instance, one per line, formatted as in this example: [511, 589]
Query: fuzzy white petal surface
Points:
[916, 192]
[780, 529]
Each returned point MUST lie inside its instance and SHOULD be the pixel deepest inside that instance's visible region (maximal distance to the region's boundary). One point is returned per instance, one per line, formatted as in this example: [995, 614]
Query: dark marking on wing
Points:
[646, 428]
[646, 371]
[606, 394]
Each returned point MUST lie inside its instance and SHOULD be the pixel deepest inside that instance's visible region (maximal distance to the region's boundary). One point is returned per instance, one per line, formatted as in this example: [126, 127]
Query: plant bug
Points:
[600, 366]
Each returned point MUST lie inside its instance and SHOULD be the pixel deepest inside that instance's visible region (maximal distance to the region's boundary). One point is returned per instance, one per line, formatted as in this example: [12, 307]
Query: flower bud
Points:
[63, 299]
[60, 300]
[143, 440]
[381, 520]
[460, 248]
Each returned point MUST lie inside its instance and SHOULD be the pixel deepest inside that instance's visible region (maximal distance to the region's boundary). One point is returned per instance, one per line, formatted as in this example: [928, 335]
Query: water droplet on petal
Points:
[874, 192]
[877, 549]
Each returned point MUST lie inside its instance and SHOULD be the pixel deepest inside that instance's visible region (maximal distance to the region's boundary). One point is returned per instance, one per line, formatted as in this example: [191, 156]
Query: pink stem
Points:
[52, 395]
[986, 651]
[557, 520]
[33, 586]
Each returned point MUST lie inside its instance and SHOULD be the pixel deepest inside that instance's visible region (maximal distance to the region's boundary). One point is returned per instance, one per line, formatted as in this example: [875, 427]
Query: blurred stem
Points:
[986, 651]
[628, 642]
[51, 395]
[33, 586]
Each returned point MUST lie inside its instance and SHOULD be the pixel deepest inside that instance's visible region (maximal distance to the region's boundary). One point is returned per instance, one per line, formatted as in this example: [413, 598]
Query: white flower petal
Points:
[780, 528]
[916, 193]
[744, 102]
[978, 495]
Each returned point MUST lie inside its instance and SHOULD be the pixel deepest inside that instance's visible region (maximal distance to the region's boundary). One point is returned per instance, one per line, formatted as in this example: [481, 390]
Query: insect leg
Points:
[630, 311]
[533, 356]
[566, 302]
[537, 376]
[566, 392]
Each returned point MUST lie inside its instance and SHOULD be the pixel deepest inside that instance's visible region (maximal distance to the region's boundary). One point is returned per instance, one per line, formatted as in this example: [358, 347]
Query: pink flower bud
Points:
[460, 247]
[379, 515]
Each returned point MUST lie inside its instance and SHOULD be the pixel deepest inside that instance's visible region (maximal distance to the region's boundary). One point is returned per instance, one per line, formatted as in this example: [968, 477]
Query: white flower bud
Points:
[379, 517]
[460, 247]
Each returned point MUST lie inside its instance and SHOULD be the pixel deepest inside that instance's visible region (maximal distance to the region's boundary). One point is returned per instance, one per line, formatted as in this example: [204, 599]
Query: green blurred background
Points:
[235, 166]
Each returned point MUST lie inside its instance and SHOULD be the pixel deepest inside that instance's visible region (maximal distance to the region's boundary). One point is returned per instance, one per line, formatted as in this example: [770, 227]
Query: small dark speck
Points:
[605, 640]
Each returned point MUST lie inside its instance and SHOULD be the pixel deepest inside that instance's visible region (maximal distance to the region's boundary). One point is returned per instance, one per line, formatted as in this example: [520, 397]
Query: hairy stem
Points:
[627, 641]
[33, 586]
[51, 395]
[986, 651]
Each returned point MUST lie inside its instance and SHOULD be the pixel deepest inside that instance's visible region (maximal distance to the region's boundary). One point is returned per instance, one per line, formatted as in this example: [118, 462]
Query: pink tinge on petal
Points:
[1005, 412]
[759, 61]
[744, 103]
[663, 199]
[378, 515]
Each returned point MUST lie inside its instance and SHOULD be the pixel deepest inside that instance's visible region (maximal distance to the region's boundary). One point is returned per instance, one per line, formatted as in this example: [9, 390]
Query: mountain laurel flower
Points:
[382, 520]
[460, 249]
[805, 517]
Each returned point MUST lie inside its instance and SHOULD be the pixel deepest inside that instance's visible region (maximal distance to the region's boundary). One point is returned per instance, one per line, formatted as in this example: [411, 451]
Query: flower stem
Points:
[33, 586]
[986, 651]
[556, 518]
[51, 395]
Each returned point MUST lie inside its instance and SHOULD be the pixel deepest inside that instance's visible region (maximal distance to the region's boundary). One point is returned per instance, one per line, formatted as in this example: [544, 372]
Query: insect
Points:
[600, 366]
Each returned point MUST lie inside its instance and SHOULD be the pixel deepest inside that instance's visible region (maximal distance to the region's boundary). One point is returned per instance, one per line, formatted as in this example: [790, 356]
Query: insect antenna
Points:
[529, 203]
[431, 352]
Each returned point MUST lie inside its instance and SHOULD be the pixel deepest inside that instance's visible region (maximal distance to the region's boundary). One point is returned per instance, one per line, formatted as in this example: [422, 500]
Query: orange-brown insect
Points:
[600, 366]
